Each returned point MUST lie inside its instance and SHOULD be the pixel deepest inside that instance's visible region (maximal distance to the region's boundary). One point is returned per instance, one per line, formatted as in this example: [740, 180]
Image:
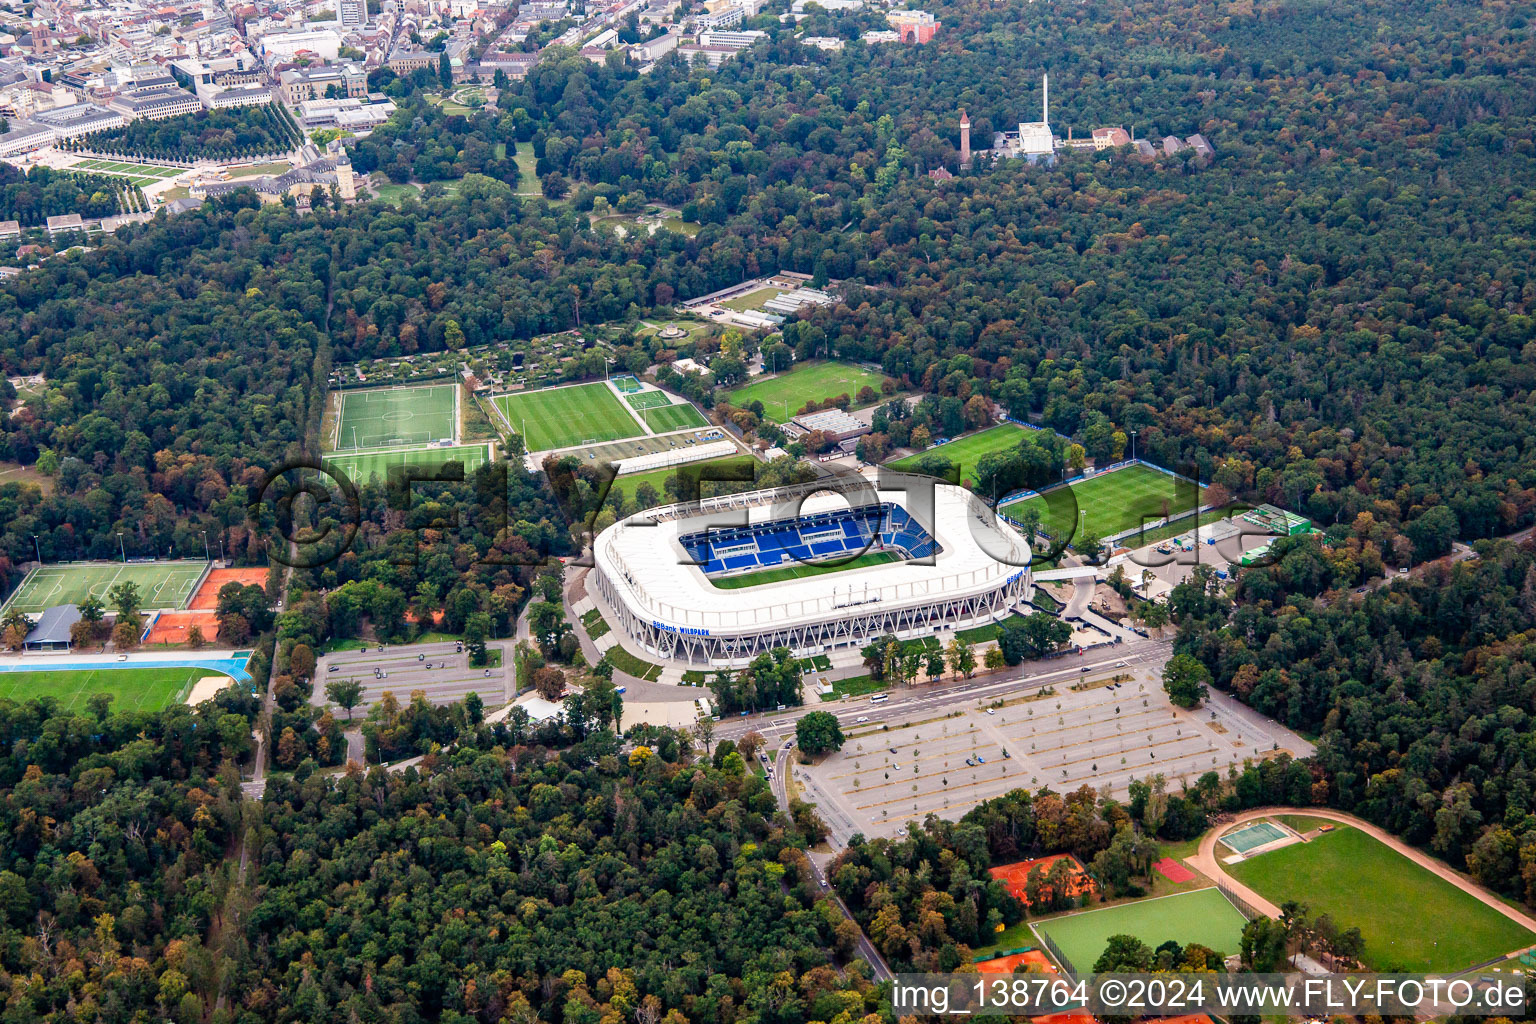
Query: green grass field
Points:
[673, 417]
[362, 466]
[647, 399]
[409, 415]
[1411, 920]
[752, 300]
[966, 451]
[131, 689]
[806, 382]
[1203, 915]
[1121, 500]
[657, 478]
[561, 417]
[802, 570]
[161, 584]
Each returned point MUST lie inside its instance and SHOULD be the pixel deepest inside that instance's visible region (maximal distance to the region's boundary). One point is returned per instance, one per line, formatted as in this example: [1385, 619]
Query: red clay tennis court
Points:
[1016, 875]
[207, 596]
[1173, 870]
[1006, 964]
[174, 627]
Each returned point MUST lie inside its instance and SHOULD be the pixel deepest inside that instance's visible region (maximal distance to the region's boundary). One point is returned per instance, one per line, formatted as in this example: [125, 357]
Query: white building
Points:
[1035, 138]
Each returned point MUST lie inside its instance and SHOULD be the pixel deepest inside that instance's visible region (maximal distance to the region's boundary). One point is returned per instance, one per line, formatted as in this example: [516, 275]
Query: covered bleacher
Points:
[817, 537]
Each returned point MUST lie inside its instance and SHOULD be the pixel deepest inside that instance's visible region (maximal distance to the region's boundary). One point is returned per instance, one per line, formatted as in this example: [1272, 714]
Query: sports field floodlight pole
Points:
[1133, 446]
[122, 547]
[206, 555]
[39, 548]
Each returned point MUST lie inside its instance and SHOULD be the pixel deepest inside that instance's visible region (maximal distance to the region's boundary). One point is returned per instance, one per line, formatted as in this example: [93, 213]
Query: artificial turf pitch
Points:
[561, 417]
[131, 689]
[161, 584]
[801, 570]
[370, 419]
[1411, 919]
[361, 467]
[1120, 500]
[673, 417]
[648, 399]
[1203, 915]
[786, 394]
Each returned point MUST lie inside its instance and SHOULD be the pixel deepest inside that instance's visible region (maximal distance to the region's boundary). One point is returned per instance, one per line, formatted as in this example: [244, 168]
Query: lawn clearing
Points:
[161, 584]
[397, 416]
[966, 451]
[1411, 920]
[1122, 499]
[786, 394]
[802, 570]
[752, 300]
[131, 689]
[562, 417]
[673, 417]
[360, 467]
[1203, 915]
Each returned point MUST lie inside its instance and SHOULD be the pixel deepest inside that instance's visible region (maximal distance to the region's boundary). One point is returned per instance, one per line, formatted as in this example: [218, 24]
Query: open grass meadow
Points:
[628, 485]
[131, 689]
[966, 451]
[785, 394]
[1411, 919]
[1119, 500]
[561, 417]
[1202, 915]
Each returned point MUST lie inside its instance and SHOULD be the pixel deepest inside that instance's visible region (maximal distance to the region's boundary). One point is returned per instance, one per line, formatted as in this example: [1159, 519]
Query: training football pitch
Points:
[360, 467]
[966, 451]
[1122, 499]
[1411, 919]
[1204, 916]
[673, 417]
[131, 689]
[561, 417]
[786, 394]
[409, 415]
[648, 399]
[161, 584]
[802, 570]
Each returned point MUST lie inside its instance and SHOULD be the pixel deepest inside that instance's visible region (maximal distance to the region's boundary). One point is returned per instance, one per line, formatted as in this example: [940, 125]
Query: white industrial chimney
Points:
[1045, 98]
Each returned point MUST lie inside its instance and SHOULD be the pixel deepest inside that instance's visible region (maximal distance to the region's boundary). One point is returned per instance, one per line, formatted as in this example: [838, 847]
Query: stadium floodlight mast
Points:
[1133, 446]
[122, 547]
[39, 548]
[206, 555]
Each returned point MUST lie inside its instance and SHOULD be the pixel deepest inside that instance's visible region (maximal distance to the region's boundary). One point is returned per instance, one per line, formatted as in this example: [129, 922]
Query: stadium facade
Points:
[945, 561]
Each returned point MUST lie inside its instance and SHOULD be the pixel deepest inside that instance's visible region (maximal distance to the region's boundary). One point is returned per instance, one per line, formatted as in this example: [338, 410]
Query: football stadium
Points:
[809, 568]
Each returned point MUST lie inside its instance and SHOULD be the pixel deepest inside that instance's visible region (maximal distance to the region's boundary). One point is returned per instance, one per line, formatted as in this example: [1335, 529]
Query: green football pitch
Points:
[1120, 500]
[131, 689]
[786, 394]
[410, 415]
[561, 417]
[966, 451]
[802, 570]
[1411, 919]
[648, 399]
[673, 417]
[161, 584]
[1203, 915]
[360, 467]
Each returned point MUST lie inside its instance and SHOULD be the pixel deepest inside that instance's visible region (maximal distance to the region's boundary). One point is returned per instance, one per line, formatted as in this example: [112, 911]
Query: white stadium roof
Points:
[653, 574]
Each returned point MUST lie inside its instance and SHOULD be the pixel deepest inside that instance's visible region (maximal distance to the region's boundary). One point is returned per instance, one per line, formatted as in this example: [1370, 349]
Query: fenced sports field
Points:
[674, 417]
[397, 416]
[131, 689]
[566, 416]
[1251, 837]
[648, 399]
[161, 584]
[363, 467]
[1203, 915]
[1122, 499]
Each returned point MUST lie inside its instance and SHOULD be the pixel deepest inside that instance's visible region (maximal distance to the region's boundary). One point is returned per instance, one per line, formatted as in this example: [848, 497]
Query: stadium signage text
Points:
[680, 630]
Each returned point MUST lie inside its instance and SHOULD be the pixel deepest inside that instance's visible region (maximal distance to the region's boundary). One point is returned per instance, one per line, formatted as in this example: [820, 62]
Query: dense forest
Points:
[227, 134]
[34, 197]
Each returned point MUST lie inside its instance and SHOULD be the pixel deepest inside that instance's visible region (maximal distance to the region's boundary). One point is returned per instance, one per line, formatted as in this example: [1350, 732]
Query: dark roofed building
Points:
[53, 628]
